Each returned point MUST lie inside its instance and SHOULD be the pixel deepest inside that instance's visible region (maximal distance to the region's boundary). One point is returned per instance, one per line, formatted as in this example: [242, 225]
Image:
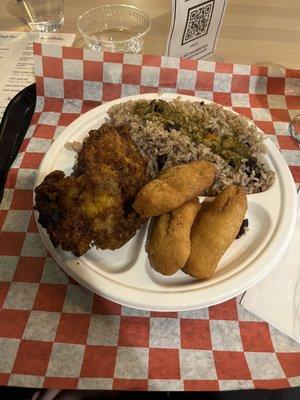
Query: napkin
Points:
[276, 299]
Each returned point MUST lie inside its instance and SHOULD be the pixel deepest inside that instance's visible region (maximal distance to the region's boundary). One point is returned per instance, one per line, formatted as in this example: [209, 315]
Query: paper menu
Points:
[16, 60]
[194, 27]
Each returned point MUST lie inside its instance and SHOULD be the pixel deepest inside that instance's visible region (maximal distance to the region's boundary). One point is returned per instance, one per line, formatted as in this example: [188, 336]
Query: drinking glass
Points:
[294, 128]
[43, 15]
[114, 28]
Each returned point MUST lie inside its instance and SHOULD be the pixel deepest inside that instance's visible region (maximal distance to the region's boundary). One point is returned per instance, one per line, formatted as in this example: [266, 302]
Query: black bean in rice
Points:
[174, 146]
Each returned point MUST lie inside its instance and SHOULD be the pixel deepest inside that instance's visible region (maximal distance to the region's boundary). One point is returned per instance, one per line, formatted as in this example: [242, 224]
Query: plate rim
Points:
[288, 228]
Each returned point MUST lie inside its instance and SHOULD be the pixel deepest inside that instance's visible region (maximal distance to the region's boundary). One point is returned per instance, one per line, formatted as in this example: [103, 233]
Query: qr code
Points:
[198, 20]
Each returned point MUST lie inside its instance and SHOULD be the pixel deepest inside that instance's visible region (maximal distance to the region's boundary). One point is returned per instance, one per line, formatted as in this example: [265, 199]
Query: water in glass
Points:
[43, 16]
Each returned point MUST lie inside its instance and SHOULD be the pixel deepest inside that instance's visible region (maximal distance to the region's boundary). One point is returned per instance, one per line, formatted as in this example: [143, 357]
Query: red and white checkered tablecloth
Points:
[54, 333]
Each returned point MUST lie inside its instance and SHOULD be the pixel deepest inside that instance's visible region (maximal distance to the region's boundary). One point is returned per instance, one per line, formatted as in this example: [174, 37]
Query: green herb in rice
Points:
[227, 146]
[170, 133]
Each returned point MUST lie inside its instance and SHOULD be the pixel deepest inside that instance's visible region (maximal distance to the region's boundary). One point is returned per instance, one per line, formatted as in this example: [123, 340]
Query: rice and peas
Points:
[176, 132]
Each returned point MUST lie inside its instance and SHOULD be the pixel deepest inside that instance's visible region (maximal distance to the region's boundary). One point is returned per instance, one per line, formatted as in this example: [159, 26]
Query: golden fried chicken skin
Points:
[173, 187]
[76, 209]
[214, 229]
[113, 146]
[169, 245]
[124, 230]
[93, 206]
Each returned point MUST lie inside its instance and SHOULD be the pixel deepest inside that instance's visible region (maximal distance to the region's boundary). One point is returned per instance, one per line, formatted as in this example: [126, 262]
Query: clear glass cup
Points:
[43, 15]
[115, 28]
[294, 128]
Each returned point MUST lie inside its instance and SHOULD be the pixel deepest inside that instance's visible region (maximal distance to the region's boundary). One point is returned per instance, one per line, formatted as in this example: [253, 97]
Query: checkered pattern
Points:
[53, 332]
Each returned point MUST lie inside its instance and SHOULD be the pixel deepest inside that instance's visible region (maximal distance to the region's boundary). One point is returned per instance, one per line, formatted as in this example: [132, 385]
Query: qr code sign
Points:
[198, 20]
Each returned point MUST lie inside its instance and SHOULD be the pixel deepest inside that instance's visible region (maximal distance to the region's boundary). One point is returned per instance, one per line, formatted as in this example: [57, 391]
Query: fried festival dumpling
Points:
[215, 228]
[173, 187]
[169, 245]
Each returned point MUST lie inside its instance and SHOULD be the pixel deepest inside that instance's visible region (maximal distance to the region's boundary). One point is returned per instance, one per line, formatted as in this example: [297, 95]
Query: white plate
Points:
[125, 275]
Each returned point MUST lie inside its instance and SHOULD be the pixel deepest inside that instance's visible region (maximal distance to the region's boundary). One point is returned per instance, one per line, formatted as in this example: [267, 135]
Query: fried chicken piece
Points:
[72, 209]
[93, 206]
[124, 229]
[173, 187]
[63, 221]
[214, 229]
[113, 146]
[79, 210]
[169, 245]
